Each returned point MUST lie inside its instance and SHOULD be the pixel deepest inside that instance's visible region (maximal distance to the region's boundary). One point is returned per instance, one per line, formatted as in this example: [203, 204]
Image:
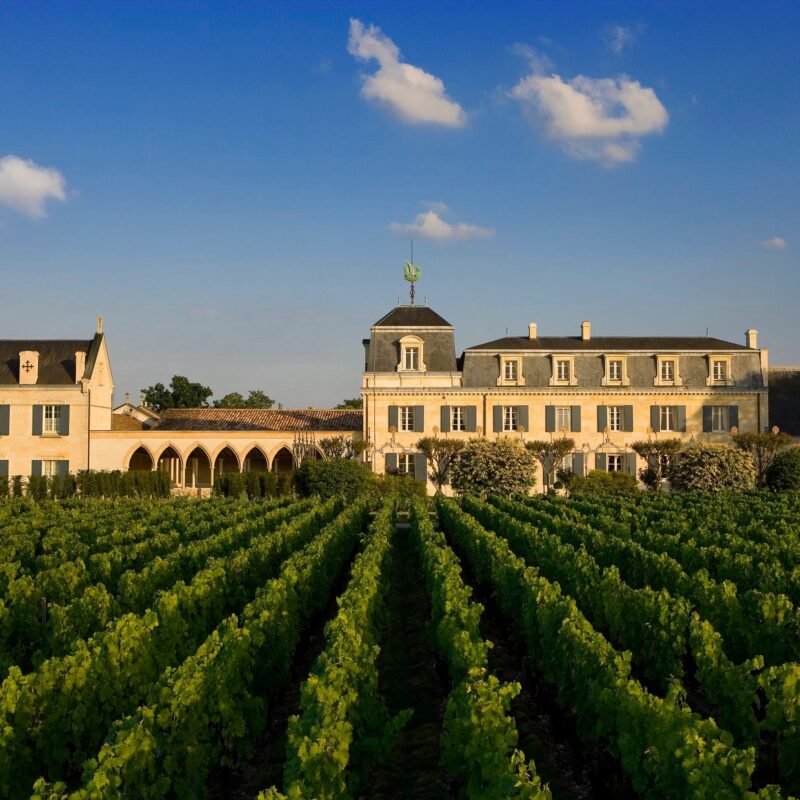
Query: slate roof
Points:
[705, 344]
[250, 419]
[412, 317]
[56, 359]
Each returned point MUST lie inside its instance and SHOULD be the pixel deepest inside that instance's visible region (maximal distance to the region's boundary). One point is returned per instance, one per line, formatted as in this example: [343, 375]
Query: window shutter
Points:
[577, 464]
[630, 463]
[37, 420]
[420, 467]
[4, 420]
[63, 426]
[62, 468]
[733, 416]
[36, 468]
[655, 418]
[444, 419]
[627, 418]
[549, 419]
[680, 416]
[707, 423]
[471, 413]
[391, 462]
[602, 418]
[3, 467]
[576, 419]
[600, 461]
[393, 418]
[522, 417]
[419, 419]
[497, 418]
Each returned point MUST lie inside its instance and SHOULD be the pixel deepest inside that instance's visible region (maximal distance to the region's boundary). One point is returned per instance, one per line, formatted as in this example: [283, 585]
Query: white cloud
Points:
[26, 187]
[594, 118]
[414, 95]
[775, 243]
[618, 37]
[430, 225]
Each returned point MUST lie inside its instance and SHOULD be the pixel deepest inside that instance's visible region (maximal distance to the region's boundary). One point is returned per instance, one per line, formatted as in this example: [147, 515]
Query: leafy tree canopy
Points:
[182, 393]
[440, 454]
[341, 447]
[499, 466]
[712, 468]
[550, 452]
[256, 399]
[784, 472]
[763, 447]
[353, 402]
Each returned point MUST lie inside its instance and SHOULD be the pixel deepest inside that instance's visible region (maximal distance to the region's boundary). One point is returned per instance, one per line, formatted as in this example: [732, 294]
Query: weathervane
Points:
[412, 273]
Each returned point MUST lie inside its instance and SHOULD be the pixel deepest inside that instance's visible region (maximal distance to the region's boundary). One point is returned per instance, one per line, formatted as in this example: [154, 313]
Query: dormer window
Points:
[563, 371]
[616, 371]
[510, 371]
[411, 358]
[412, 355]
[719, 371]
[667, 371]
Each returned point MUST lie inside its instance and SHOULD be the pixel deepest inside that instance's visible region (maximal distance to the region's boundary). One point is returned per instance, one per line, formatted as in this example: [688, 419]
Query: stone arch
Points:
[197, 467]
[282, 459]
[169, 460]
[225, 459]
[254, 459]
[139, 459]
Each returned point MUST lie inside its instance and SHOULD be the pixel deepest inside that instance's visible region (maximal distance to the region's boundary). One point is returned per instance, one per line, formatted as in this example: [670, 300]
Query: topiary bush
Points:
[599, 481]
[712, 468]
[493, 466]
[329, 478]
[784, 472]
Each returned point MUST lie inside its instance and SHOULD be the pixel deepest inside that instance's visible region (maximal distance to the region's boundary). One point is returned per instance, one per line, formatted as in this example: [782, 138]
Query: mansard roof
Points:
[56, 359]
[412, 317]
[655, 344]
[257, 419]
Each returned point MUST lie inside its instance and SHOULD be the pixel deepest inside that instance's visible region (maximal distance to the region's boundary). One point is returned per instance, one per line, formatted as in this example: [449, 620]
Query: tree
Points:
[337, 447]
[550, 452]
[655, 452]
[440, 454]
[712, 468]
[256, 399]
[328, 478]
[784, 472]
[182, 393]
[354, 402]
[499, 466]
[763, 447]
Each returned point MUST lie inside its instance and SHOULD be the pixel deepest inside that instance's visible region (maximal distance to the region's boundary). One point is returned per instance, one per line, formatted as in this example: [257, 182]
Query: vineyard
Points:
[615, 647]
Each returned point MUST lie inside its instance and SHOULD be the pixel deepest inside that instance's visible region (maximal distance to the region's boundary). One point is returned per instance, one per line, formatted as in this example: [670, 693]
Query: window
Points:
[510, 418]
[666, 418]
[615, 463]
[49, 468]
[411, 358]
[720, 371]
[615, 418]
[663, 465]
[405, 463]
[719, 419]
[510, 372]
[567, 462]
[562, 370]
[458, 420]
[406, 418]
[668, 370]
[564, 419]
[52, 419]
[615, 370]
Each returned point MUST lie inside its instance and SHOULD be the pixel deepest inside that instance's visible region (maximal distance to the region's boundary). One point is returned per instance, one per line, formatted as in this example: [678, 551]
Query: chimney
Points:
[532, 331]
[751, 338]
[28, 367]
[586, 330]
[127, 398]
[80, 365]
[99, 324]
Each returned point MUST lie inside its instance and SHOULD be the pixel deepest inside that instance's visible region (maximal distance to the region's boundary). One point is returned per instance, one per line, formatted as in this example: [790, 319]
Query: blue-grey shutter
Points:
[576, 419]
[419, 419]
[63, 425]
[655, 418]
[577, 464]
[36, 468]
[420, 467]
[733, 416]
[627, 418]
[630, 463]
[602, 418]
[391, 462]
[680, 416]
[5, 414]
[393, 417]
[522, 417]
[444, 419]
[3, 467]
[471, 413]
[62, 468]
[37, 420]
[550, 419]
[497, 418]
[707, 419]
[601, 461]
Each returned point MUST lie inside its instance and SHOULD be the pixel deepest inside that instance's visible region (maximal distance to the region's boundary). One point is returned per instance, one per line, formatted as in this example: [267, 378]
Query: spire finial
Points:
[100, 324]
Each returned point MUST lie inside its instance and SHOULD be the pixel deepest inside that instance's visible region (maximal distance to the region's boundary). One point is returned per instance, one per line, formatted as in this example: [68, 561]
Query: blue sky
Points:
[233, 185]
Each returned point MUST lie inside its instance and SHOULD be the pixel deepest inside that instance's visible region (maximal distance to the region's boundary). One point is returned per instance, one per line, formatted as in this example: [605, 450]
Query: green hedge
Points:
[255, 485]
[87, 483]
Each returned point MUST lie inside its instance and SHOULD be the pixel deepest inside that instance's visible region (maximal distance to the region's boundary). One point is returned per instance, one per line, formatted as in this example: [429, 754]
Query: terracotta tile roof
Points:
[705, 344]
[125, 422]
[241, 419]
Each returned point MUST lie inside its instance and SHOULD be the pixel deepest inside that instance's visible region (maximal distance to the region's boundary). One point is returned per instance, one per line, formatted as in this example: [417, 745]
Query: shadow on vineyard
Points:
[411, 677]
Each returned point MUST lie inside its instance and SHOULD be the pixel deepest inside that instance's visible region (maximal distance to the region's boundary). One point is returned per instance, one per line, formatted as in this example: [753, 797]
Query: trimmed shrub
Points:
[254, 485]
[329, 478]
[784, 472]
[600, 482]
[712, 468]
[493, 466]
[116, 483]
